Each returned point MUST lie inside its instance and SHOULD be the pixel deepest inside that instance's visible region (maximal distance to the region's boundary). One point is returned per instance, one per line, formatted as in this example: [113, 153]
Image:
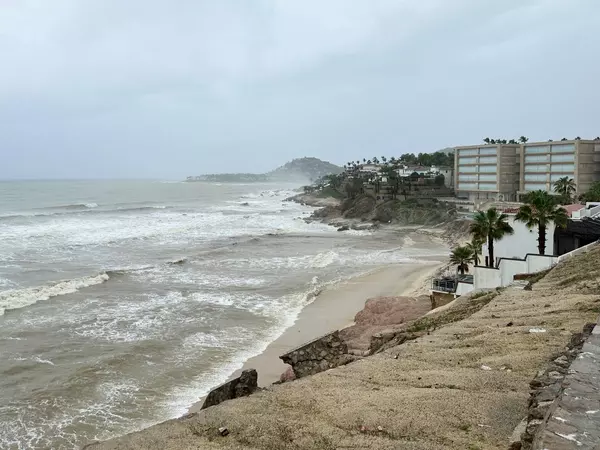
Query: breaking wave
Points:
[74, 206]
[20, 298]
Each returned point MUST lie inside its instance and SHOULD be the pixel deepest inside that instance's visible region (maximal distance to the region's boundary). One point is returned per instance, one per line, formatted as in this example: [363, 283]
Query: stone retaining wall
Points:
[241, 386]
[548, 390]
[573, 421]
[318, 355]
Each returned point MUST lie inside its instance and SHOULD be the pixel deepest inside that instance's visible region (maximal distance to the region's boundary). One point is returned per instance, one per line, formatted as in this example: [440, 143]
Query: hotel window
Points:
[467, 177]
[542, 149]
[467, 185]
[490, 177]
[536, 177]
[487, 186]
[563, 168]
[488, 151]
[563, 158]
[563, 148]
[467, 152]
[488, 160]
[469, 169]
[467, 160]
[534, 186]
[537, 168]
[536, 158]
[488, 169]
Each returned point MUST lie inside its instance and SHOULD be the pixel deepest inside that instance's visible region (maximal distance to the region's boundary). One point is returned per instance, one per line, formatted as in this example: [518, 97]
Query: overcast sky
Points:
[165, 89]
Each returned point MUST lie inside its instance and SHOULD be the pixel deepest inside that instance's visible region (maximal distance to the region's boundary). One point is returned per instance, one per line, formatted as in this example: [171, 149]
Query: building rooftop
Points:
[572, 208]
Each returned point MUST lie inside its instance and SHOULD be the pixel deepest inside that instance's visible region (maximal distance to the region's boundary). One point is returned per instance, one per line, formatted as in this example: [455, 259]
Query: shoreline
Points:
[335, 308]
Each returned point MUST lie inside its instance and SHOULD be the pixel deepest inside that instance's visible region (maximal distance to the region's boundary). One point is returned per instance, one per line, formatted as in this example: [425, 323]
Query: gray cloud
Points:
[106, 88]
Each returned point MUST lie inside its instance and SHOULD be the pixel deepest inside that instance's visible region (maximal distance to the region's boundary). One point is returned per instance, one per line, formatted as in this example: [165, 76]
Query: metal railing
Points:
[449, 284]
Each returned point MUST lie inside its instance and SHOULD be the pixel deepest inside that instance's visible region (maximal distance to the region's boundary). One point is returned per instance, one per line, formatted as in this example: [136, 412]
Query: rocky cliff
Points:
[364, 208]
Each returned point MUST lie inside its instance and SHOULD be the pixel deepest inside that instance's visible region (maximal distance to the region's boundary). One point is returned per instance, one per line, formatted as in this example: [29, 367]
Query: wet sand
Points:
[336, 308]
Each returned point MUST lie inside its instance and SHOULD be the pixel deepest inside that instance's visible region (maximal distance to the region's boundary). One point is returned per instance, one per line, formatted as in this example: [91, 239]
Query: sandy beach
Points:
[335, 308]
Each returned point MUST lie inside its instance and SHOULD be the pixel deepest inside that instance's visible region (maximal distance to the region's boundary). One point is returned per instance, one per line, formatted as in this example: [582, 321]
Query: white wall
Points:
[537, 263]
[504, 276]
[463, 288]
[522, 242]
[486, 278]
[590, 210]
[509, 268]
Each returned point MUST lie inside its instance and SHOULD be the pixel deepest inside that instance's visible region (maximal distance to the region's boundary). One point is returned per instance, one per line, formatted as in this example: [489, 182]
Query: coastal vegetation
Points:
[461, 257]
[593, 193]
[540, 211]
[475, 248]
[490, 226]
[521, 140]
[565, 188]
[441, 158]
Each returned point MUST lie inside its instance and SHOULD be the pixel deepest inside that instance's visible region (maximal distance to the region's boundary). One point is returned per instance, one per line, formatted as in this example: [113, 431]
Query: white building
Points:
[524, 241]
[448, 173]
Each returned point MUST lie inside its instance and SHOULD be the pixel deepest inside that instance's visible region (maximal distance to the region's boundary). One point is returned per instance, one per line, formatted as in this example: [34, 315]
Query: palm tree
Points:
[540, 211]
[486, 140]
[475, 247]
[384, 159]
[490, 226]
[461, 256]
[563, 139]
[565, 187]
[523, 139]
[492, 141]
[577, 138]
[375, 160]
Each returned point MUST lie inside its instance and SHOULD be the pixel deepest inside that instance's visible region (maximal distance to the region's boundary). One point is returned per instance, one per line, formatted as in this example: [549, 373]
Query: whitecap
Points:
[20, 298]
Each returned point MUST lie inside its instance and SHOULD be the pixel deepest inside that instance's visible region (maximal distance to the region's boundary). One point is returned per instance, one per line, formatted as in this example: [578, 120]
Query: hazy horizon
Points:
[145, 90]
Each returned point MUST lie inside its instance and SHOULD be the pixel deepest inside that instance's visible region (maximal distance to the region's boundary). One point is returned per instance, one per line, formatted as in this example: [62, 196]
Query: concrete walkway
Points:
[575, 423]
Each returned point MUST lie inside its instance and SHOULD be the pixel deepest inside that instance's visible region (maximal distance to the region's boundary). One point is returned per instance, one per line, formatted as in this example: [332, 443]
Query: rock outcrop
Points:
[241, 386]
[316, 356]
[380, 317]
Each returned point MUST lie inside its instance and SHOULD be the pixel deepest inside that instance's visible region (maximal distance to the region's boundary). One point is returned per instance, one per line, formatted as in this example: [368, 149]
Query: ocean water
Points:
[123, 302]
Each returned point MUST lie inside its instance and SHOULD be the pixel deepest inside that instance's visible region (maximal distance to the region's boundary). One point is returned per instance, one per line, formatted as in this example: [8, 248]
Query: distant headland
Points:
[302, 170]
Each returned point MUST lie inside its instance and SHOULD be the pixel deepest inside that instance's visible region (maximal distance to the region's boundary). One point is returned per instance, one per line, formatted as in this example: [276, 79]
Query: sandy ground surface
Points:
[333, 309]
[463, 385]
